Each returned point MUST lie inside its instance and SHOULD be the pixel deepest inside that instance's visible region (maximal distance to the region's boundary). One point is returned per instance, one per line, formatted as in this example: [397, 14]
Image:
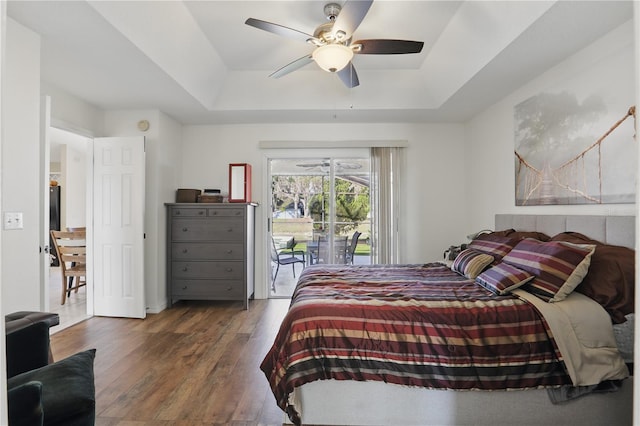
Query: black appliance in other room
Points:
[54, 220]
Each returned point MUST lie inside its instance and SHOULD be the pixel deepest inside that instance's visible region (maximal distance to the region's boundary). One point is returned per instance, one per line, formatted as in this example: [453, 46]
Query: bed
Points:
[431, 344]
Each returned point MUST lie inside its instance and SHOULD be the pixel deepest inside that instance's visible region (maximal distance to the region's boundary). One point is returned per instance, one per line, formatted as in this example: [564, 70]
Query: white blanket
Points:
[583, 332]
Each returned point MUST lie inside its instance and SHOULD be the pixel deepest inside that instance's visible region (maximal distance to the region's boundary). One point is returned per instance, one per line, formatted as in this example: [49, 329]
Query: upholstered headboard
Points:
[615, 230]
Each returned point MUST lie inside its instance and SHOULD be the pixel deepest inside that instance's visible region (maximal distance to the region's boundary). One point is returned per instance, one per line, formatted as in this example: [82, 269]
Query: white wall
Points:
[490, 182]
[433, 206]
[166, 159]
[20, 169]
[73, 114]
[73, 185]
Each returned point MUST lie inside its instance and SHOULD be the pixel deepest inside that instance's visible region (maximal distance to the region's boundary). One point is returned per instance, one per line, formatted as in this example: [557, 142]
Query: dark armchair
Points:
[43, 393]
[25, 404]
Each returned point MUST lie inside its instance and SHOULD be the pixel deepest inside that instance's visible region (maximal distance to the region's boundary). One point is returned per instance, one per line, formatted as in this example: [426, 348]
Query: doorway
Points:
[68, 201]
[317, 204]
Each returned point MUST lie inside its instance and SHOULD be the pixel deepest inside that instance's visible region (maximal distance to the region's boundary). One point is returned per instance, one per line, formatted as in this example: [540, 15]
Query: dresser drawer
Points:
[197, 212]
[213, 212]
[207, 251]
[208, 269]
[208, 289]
[223, 229]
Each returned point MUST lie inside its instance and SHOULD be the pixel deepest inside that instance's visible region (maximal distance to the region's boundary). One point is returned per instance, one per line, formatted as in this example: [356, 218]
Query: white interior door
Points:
[117, 240]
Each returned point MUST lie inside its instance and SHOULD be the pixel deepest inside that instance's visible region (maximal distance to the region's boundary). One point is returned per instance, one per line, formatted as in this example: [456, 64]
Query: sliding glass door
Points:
[317, 205]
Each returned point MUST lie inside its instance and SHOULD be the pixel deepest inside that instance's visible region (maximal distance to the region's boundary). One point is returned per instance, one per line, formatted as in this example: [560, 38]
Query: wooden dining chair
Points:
[71, 250]
[74, 229]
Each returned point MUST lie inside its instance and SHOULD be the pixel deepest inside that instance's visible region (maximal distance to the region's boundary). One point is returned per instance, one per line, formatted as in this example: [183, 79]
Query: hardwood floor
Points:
[194, 364]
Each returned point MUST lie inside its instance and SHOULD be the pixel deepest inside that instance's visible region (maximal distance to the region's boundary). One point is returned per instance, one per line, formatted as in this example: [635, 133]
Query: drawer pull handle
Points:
[184, 287]
[229, 251]
[184, 229]
[215, 212]
[229, 288]
[200, 213]
[177, 212]
[185, 269]
[185, 250]
[229, 269]
[230, 230]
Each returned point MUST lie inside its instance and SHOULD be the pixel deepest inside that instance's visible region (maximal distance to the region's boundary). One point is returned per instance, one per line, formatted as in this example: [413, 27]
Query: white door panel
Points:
[118, 239]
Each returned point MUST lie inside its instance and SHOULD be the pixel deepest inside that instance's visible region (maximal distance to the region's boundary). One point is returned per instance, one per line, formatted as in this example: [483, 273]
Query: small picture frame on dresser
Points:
[239, 183]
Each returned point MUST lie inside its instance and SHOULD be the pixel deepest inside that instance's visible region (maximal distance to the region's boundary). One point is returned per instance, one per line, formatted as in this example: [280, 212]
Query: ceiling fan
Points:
[324, 166]
[333, 46]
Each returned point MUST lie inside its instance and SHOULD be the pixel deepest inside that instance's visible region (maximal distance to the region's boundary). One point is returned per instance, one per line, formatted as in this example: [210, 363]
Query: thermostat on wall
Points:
[143, 125]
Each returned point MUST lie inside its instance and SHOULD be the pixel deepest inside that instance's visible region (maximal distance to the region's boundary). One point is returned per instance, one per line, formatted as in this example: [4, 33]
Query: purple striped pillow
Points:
[498, 247]
[471, 262]
[503, 278]
[558, 266]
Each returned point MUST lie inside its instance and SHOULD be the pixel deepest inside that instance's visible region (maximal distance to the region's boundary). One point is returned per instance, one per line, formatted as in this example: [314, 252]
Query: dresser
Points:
[210, 251]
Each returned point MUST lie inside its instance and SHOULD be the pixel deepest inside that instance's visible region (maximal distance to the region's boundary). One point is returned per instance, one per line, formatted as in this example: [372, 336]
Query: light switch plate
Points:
[12, 220]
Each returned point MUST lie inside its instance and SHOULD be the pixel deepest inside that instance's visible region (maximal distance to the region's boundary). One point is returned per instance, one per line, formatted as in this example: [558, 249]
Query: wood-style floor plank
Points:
[194, 364]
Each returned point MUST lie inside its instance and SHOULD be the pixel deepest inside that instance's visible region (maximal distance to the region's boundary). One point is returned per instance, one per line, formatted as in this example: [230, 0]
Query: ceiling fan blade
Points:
[313, 165]
[298, 63]
[349, 76]
[350, 17]
[388, 47]
[278, 29]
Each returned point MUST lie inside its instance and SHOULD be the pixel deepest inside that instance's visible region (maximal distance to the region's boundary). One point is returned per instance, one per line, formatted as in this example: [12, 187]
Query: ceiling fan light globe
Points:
[332, 57]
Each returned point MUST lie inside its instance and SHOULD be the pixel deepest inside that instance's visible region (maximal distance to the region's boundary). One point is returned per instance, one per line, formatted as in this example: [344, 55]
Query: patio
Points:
[286, 282]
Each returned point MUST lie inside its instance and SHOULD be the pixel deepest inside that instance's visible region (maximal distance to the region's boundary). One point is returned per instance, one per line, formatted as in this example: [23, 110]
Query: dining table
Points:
[283, 241]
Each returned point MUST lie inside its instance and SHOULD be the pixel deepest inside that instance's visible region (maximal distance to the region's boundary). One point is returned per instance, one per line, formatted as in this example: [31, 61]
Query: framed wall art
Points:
[576, 144]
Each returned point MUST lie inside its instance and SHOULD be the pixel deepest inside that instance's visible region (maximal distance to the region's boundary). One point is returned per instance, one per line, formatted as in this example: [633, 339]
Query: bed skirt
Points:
[332, 402]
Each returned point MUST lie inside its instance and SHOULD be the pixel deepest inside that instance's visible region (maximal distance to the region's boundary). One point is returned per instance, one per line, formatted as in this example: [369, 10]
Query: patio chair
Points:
[290, 249]
[321, 254]
[352, 248]
[284, 258]
[340, 247]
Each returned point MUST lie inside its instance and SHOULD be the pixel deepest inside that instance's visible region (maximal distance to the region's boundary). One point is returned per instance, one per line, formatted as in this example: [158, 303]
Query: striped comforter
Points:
[417, 325]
